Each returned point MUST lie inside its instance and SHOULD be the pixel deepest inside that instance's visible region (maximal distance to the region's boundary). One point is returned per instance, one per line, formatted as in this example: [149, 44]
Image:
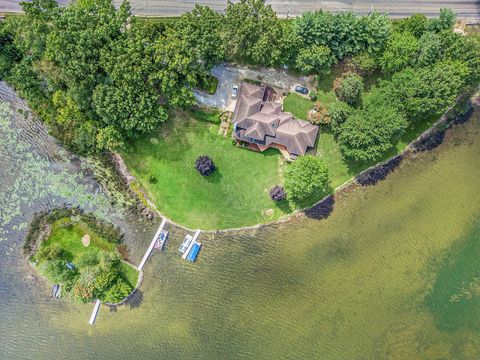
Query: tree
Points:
[252, 32]
[415, 24]
[201, 29]
[307, 177]
[290, 44]
[119, 291]
[277, 193]
[348, 88]
[426, 91]
[31, 31]
[369, 133]
[205, 165]
[316, 58]
[365, 63]
[377, 31]
[338, 112]
[9, 53]
[127, 99]
[445, 21]
[345, 33]
[78, 36]
[429, 49]
[400, 52]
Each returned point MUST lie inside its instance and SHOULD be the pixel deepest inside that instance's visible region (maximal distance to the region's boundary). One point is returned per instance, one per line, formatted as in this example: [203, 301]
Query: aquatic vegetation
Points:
[32, 177]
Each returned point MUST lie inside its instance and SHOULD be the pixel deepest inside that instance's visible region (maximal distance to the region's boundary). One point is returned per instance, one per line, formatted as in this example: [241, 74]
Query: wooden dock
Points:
[96, 308]
[185, 254]
[152, 244]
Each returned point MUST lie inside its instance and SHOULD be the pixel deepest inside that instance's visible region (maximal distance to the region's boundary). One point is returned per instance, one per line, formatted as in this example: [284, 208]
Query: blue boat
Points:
[192, 255]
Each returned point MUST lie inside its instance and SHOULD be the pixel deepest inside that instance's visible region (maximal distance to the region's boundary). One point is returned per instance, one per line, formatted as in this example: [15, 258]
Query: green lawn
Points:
[70, 241]
[237, 194]
[297, 105]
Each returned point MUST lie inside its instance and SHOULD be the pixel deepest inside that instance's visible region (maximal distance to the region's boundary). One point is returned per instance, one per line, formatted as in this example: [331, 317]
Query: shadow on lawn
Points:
[214, 178]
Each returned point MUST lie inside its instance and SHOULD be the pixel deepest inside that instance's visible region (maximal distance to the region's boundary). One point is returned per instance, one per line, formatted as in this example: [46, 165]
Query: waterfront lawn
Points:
[236, 195]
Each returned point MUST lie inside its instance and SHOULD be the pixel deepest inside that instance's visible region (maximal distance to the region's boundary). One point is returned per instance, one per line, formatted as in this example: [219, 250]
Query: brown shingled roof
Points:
[263, 122]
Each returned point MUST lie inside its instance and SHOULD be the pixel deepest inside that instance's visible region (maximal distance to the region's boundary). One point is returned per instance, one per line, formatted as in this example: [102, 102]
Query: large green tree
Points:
[316, 58]
[307, 177]
[400, 52]
[253, 32]
[127, 99]
[369, 133]
[426, 91]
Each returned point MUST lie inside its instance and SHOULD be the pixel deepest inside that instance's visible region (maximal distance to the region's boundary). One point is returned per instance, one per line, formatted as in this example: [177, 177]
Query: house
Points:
[262, 124]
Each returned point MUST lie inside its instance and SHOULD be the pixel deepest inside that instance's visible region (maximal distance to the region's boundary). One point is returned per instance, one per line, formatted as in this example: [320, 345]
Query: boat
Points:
[54, 290]
[192, 255]
[161, 240]
[58, 292]
[186, 243]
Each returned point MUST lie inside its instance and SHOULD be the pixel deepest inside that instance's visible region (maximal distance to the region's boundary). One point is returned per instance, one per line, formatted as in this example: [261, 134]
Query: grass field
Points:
[69, 239]
[237, 194]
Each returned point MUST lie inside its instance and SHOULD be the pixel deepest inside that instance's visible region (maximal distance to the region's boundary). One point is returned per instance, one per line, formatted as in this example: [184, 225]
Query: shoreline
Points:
[428, 140]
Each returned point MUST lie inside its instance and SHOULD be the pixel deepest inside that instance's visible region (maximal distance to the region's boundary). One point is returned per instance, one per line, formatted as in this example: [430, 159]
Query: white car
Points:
[234, 92]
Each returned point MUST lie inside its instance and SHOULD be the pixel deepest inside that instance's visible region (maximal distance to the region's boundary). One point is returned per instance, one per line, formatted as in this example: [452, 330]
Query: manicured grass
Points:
[70, 240]
[237, 194]
[297, 105]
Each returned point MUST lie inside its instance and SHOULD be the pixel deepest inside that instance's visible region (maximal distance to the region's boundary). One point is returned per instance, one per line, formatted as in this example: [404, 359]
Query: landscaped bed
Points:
[81, 254]
[235, 195]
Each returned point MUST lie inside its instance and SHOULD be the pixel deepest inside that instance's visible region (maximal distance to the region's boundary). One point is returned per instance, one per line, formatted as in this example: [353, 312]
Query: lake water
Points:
[391, 274]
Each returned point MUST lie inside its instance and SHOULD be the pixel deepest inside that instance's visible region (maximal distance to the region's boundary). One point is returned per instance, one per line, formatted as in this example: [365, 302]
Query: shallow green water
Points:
[373, 281]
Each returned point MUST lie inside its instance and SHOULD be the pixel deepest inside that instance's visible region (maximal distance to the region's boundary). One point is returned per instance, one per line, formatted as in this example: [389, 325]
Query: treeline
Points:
[100, 76]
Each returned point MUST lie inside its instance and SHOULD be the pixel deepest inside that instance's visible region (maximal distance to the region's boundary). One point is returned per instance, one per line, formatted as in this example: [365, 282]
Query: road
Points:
[466, 9]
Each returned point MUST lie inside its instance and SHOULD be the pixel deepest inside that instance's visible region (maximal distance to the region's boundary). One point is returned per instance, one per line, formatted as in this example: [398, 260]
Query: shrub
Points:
[307, 177]
[119, 291]
[365, 63]
[49, 253]
[320, 115]
[205, 165]
[277, 193]
[348, 88]
[312, 95]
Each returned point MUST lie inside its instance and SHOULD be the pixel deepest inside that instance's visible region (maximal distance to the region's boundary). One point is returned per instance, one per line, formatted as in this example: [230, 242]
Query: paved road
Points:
[466, 9]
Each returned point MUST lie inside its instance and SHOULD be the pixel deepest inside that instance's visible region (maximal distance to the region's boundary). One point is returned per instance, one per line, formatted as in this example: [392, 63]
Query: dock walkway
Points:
[152, 244]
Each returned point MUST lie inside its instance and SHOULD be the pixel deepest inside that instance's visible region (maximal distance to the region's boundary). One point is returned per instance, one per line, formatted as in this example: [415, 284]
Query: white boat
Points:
[161, 240]
[186, 243]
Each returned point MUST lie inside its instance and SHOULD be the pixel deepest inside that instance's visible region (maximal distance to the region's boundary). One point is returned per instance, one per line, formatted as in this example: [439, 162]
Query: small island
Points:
[81, 256]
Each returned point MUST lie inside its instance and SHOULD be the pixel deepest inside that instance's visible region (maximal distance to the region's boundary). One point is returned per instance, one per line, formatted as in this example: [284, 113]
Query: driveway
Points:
[229, 75]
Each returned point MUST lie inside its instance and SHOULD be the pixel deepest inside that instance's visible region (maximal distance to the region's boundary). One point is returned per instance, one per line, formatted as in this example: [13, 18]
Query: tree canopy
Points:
[307, 177]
